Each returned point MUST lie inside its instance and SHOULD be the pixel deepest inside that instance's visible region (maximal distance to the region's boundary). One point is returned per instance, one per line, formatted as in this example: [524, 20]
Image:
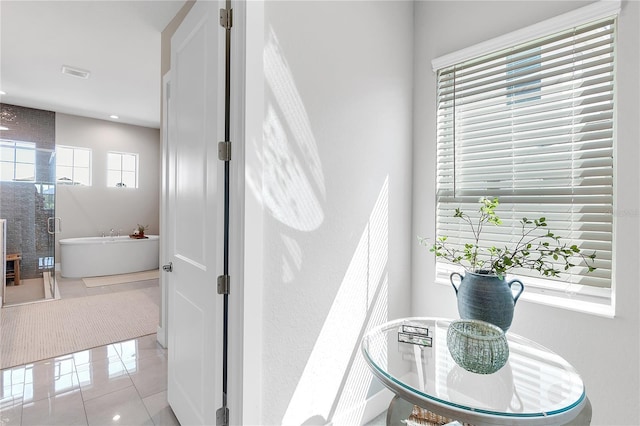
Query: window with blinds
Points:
[533, 125]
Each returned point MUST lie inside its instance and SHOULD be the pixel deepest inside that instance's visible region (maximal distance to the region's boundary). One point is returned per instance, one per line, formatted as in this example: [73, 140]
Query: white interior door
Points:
[194, 217]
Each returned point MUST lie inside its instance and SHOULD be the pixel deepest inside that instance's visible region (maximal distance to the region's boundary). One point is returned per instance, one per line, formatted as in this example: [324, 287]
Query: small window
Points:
[122, 170]
[17, 161]
[73, 165]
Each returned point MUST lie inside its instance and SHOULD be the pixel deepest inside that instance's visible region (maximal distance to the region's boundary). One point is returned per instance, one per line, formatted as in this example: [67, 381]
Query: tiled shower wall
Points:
[21, 204]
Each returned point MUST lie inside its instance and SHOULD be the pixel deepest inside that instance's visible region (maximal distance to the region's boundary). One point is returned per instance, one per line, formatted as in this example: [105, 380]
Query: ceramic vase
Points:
[485, 297]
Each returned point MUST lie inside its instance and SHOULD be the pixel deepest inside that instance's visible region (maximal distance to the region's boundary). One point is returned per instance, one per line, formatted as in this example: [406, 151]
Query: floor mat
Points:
[38, 331]
[121, 279]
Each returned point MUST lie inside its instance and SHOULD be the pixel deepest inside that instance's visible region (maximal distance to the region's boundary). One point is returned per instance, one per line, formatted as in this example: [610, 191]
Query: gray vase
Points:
[483, 296]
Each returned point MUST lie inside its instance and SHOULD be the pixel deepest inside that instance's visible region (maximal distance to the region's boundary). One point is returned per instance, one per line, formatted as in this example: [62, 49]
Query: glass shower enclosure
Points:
[27, 203]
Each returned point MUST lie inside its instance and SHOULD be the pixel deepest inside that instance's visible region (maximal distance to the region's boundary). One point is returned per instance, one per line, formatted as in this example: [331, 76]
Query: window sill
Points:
[568, 302]
[597, 305]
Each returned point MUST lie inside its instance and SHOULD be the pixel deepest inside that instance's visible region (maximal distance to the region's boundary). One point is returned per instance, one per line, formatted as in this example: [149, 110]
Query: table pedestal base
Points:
[400, 414]
[403, 413]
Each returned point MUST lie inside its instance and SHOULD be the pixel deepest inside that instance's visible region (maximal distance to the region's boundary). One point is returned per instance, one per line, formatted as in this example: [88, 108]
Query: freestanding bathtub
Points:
[97, 256]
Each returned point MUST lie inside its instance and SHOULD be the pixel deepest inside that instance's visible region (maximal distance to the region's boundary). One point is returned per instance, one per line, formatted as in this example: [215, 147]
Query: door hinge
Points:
[223, 284]
[222, 416]
[224, 151]
[226, 18]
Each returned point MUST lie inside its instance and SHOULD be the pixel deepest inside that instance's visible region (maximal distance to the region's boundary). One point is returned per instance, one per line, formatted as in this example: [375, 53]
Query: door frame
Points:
[163, 332]
[238, 380]
[247, 119]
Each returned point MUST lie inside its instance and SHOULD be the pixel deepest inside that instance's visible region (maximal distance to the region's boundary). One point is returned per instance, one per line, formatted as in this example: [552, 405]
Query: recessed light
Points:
[115, 117]
[75, 72]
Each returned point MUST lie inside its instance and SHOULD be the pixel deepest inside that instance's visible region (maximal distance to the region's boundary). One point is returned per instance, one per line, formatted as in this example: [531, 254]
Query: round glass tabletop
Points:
[535, 386]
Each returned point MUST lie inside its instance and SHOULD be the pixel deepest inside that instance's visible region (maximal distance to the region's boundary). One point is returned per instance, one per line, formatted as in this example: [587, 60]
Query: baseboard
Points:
[160, 334]
[377, 404]
[373, 407]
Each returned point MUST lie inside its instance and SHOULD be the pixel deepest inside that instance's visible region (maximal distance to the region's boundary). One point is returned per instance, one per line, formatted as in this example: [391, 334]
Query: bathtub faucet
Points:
[111, 232]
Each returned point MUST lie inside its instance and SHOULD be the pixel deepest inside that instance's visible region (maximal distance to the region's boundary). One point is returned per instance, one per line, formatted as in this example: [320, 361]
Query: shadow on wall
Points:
[336, 379]
[292, 172]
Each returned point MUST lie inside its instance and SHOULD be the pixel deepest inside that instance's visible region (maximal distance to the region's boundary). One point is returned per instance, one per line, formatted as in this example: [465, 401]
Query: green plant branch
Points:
[538, 252]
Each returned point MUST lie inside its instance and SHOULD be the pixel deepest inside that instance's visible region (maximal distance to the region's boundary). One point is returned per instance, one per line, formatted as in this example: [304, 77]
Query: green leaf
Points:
[530, 250]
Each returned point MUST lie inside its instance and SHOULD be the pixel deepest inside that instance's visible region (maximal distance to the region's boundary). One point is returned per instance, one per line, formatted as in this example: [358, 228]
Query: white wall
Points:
[605, 351]
[328, 170]
[88, 211]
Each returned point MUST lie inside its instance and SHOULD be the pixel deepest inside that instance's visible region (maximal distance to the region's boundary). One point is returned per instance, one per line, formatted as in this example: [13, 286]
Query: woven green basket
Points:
[477, 346]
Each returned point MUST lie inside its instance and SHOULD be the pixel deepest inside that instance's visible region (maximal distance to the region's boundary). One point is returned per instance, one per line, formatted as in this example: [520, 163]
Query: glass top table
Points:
[535, 387]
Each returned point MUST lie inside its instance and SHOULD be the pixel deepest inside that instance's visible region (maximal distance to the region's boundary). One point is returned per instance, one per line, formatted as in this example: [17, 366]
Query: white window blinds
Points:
[533, 126]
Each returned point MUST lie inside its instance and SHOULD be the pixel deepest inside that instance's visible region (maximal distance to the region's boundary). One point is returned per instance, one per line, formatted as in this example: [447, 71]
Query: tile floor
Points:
[122, 383]
[29, 290]
[74, 287]
[119, 384]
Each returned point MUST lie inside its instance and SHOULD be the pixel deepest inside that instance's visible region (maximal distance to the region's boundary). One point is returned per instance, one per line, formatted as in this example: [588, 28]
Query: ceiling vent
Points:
[75, 72]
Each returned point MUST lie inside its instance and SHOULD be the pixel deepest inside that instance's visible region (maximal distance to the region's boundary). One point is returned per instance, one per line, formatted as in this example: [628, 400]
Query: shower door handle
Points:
[168, 267]
[54, 220]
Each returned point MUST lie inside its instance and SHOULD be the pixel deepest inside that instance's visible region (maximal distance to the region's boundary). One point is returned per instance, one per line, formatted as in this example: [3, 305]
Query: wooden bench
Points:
[13, 267]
